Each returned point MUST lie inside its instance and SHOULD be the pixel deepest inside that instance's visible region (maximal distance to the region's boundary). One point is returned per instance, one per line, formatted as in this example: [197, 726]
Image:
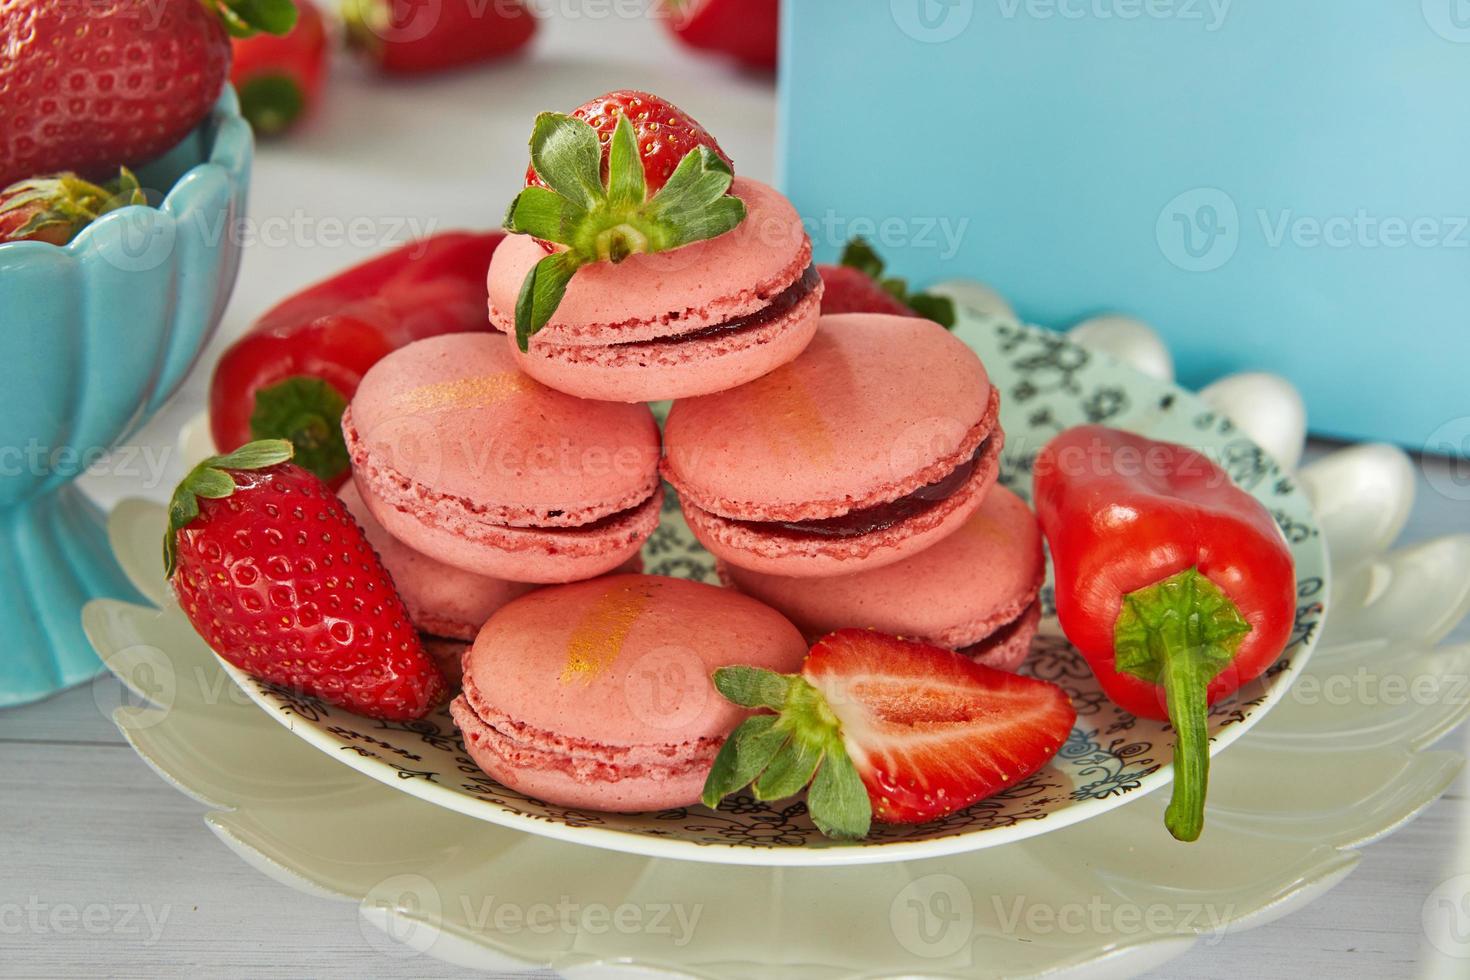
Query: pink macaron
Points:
[598, 694]
[879, 441]
[702, 318]
[462, 457]
[447, 605]
[975, 591]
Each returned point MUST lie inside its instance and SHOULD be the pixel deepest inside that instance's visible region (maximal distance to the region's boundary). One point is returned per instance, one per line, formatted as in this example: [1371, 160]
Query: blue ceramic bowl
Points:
[95, 337]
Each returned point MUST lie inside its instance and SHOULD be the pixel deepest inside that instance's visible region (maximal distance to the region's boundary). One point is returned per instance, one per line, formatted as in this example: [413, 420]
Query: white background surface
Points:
[85, 825]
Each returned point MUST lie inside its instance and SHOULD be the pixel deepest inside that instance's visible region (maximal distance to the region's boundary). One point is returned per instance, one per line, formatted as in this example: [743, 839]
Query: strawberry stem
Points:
[1180, 634]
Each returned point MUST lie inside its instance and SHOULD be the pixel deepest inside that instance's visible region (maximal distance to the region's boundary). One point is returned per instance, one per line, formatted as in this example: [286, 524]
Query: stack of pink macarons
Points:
[842, 470]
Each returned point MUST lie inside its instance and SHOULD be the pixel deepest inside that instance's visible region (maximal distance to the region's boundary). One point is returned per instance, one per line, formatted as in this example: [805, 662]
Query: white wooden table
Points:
[107, 870]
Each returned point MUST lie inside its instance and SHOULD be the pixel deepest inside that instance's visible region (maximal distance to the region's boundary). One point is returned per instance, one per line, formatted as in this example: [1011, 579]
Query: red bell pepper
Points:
[1174, 583]
[278, 78]
[293, 373]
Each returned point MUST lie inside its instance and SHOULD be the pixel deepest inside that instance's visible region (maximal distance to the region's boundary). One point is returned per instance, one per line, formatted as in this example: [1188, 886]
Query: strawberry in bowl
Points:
[106, 308]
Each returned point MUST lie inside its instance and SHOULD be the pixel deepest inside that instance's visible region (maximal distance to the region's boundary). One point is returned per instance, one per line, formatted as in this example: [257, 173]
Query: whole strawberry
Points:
[857, 285]
[885, 729]
[664, 132]
[53, 209]
[745, 30]
[88, 86]
[280, 581]
[416, 37]
[625, 174]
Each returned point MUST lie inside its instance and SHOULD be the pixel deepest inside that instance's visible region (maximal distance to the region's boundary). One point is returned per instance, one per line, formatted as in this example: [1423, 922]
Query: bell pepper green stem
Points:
[1180, 633]
[1186, 682]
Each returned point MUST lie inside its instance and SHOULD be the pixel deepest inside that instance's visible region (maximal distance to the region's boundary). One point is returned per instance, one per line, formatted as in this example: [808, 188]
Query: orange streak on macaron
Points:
[475, 392]
[598, 639]
[788, 414]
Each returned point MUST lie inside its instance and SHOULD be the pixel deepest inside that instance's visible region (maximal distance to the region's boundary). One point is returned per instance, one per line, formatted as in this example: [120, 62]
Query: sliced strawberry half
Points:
[886, 729]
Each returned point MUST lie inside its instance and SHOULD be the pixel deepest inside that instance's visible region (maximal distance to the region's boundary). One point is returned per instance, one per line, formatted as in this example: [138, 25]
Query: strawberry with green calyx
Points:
[280, 581]
[880, 728]
[599, 218]
[54, 209]
[857, 285]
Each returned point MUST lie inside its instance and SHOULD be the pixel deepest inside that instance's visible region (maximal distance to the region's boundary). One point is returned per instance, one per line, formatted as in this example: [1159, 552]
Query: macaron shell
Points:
[750, 548]
[540, 773]
[626, 660]
[543, 556]
[954, 594]
[649, 296]
[876, 407]
[442, 600]
[450, 426]
[679, 369]
[1008, 648]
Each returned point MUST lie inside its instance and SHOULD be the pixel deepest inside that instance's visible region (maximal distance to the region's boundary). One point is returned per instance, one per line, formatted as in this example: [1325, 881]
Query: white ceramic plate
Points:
[1321, 776]
[1047, 384]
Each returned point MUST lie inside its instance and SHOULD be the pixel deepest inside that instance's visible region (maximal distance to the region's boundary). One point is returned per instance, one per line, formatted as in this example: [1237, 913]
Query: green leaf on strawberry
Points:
[212, 479]
[859, 255]
[55, 208]
[780, 755]
[600, 219]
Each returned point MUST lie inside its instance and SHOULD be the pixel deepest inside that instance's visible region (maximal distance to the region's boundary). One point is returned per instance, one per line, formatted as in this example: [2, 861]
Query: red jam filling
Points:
[880, 516]
[778, 307]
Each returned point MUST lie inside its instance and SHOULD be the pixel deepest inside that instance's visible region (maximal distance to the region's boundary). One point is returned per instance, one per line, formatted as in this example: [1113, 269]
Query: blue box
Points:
[1274, 184]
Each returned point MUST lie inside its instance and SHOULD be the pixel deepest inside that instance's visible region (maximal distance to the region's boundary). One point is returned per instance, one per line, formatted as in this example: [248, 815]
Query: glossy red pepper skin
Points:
[1121, 513]
[339, 328]
[279, 79]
